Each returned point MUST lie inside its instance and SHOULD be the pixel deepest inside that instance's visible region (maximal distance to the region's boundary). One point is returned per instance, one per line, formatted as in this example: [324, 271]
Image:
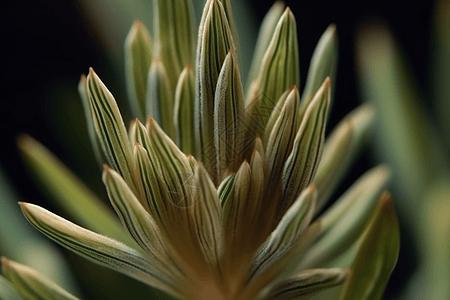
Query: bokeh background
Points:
[48, 44]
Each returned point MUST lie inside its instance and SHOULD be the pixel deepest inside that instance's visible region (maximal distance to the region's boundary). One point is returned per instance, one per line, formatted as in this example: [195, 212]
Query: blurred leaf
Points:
[406, 138]
[344, 222]
[7, 291]
[440, 66]
[341, 148]
[31, 284]
[19, 241]
[376, 256]
[323, 64]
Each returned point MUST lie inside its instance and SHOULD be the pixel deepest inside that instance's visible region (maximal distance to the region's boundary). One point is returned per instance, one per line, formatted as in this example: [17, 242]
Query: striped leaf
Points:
[184, 111]
[138, 57]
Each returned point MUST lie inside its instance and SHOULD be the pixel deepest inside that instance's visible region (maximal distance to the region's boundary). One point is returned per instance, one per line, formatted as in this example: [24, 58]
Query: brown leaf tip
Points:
[386, 205]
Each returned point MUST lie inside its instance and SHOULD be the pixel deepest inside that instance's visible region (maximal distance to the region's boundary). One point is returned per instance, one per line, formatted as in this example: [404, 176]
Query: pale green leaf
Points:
[340, 150]
[138, 57]
[160, 97]
[287, 233]
[343, 223]
[302, 163]
[110, 129]
[82, 90]
[207, 217]
[280, 142]
[265, 34]
[31, 284]
[175, 36]
[100, 249]
[184, 111]
[279, 71]
[229, 120]
[68, 192]
[137, 221]
[7, 291]
[305, 284]
[215, 41]
[377, 255]
[323, 64]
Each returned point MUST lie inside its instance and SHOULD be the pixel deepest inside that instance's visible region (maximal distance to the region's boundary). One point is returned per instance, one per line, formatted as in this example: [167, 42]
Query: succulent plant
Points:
[221, 192]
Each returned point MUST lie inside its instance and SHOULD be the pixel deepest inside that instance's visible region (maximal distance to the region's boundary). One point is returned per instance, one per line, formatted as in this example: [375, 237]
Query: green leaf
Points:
[19, 241]
[343, 223]
[138, 57]
[229, 120]
[137, 221]
[82, 90]
[242, 205]
[175, 36]
[7, 291]
[280, 141]
[377, 255]
[323, 64]
[68, 192]
[302, 163]
[100, 249]
[279, 71]
[110, 129]
[265, 34]
[341, 149]
[207, 218]
[305, 284]
[31, 284]
[286, 235]
[215, 41]
[184, 111]
[230, 19]
[160, 97]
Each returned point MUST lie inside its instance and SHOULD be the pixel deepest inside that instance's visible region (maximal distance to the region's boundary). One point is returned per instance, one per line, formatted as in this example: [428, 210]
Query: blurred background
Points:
[48, 44]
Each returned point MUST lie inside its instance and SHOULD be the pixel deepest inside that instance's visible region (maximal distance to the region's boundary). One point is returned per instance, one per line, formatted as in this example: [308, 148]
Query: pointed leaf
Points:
[323, 64]
[280, 142]
[265, 34]
[31, 284]
[175, 35]
[95, 143]
[160, 97]
[68, 192]
[138, 56]
[110, 129]
[207, 217]
[287, 233]
[302, 163]
[215, 41]
[377, 255]
[340, 150]
[137, 221]
[343, 223]
[100, 249]
[184, 111]
[229, 121]
[279, 71]
[7, 290]
[307, 283]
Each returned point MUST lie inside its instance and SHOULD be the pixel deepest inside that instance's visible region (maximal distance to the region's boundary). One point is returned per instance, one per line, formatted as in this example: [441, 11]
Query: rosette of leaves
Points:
[222, 193]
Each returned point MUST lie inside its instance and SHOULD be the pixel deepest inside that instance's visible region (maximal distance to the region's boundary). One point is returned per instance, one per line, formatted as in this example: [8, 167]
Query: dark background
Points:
[46, 45]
